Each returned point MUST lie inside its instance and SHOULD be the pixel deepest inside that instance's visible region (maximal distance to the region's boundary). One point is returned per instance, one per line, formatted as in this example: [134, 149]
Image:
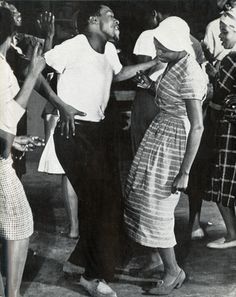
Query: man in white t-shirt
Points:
[87, 65]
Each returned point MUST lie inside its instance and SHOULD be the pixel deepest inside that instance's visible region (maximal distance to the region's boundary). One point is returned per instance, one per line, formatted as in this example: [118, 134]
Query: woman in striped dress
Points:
[222, 184]
[16, 222]
[161, 166]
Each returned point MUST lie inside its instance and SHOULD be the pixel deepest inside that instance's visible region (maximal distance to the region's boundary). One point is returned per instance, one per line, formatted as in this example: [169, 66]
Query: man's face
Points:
[107, 22]
[227, 36]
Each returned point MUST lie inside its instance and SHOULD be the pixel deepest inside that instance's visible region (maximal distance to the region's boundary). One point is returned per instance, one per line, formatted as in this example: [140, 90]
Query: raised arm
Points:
[36, 65]
[194, 112]
[46, 25]
[12, 110]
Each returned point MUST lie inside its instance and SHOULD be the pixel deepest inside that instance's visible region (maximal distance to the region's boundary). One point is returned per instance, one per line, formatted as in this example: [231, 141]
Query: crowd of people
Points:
[178, 128]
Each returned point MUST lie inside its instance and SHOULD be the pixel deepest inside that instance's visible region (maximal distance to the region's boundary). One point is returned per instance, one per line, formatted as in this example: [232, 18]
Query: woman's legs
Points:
[15, 252]
[229, 218]
[195, 205]
[173, 277]
[171, 267]
[71, 203]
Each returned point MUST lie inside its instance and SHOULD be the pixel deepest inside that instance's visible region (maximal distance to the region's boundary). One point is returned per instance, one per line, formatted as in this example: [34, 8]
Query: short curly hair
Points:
[7, 24]
[86, 11]
[14, 11]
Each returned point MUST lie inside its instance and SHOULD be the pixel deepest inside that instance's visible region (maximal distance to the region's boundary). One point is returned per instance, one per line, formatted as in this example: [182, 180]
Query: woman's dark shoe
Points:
[162, 289]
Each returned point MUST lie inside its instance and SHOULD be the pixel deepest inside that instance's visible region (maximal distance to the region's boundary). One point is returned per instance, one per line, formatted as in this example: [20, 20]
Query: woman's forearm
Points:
[192, 146]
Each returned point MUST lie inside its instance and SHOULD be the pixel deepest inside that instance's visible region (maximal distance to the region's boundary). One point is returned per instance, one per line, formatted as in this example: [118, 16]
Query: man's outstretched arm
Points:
[130, 71]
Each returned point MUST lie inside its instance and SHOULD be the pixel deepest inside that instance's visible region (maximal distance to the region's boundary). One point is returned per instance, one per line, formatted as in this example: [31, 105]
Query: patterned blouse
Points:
[184, 81]
[226, 79]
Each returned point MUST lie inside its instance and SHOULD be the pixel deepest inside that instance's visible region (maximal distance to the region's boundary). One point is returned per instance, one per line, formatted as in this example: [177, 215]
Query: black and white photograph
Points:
[117, 148]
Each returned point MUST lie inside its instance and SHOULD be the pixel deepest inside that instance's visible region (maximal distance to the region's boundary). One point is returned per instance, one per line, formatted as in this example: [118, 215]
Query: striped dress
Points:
[149, 204]
[16, 219]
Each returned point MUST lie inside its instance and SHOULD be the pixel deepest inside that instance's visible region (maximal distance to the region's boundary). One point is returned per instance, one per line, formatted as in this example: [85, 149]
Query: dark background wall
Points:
[130, 13]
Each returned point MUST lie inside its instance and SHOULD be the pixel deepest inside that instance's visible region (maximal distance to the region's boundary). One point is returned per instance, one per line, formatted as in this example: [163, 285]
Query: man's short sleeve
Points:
[145, 45]
[57, 57]
[113, 58]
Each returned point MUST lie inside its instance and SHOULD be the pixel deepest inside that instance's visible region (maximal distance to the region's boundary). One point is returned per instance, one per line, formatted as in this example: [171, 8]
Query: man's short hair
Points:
[7, 24]
[87, 10]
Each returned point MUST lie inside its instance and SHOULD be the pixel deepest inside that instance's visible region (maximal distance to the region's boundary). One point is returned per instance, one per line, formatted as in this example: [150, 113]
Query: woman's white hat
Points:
[174, 34]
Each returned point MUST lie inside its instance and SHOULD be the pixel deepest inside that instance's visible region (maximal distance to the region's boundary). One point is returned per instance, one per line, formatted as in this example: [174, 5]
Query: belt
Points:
[81, 122]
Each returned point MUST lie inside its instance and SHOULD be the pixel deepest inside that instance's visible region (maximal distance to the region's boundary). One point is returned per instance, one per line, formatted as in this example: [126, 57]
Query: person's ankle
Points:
[174, 271]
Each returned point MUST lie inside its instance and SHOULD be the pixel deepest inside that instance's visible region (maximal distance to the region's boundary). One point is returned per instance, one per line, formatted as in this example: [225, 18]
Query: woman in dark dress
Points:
[221, 187]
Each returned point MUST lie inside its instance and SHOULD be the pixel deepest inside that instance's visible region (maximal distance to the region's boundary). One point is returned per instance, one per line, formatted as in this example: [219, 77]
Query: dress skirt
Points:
[222, 184]
[49, 162]
[149, 204]
[16, 220]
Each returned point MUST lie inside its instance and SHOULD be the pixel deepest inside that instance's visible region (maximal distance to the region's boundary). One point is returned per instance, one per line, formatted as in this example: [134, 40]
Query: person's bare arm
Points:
[36, 65]
[67, 112]
[130, 71]
[46, 25]
[194, 111]
[22, 97]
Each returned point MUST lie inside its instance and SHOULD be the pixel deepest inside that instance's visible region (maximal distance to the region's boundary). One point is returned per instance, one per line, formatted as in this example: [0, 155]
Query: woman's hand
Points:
[143, 81]
[27, 143]
[180, 183]
[37, 63]
[211, 70]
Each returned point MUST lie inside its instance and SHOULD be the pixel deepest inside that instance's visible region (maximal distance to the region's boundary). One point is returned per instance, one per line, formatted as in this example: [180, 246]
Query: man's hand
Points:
[143, 81]
[46, 24]
[67, 121]
[27, 143]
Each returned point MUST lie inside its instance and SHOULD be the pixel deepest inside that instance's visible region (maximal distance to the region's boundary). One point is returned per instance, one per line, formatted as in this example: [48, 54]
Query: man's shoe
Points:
[97, 288]
[72, 269]
[221, 244]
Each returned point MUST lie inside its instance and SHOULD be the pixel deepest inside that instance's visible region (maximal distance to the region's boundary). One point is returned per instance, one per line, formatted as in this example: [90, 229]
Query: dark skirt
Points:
[222, 183]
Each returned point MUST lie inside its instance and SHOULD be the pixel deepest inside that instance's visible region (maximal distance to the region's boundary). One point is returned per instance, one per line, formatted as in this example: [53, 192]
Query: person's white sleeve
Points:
[10, 110]
[145, 45]
[10, 116]
[113, 58]
[58, 56]
[209, 39]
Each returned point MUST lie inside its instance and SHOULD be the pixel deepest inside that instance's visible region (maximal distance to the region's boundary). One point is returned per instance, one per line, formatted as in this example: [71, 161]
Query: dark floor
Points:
[210, 273]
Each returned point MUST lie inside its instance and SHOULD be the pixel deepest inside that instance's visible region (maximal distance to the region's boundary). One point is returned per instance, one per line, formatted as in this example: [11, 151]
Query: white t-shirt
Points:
[10, 110]
[145, 46]
[213, 41]
[85, 75]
